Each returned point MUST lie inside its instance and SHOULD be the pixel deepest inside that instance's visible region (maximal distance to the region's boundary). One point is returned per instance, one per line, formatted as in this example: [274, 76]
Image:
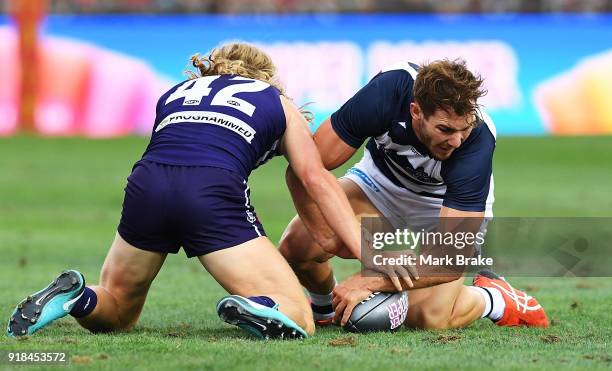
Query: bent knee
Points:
[299, 311]
[306, 321]
[293, 240]
[301, 317]
[309, 327]
[115, 311]
[298, 247]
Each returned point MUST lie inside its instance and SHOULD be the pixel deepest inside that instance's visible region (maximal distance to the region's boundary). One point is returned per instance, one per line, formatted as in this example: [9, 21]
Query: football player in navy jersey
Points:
[190, 190]
[428, 158]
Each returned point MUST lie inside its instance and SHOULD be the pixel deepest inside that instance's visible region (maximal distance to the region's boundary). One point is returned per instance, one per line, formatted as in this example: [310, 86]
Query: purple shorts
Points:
[203, 209]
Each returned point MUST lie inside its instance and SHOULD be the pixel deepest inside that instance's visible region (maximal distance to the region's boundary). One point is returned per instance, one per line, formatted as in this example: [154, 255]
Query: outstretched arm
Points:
[318, 183]
[334, 152]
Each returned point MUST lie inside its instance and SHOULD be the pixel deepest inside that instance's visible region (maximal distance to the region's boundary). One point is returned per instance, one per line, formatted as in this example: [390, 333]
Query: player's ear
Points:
[415, 110]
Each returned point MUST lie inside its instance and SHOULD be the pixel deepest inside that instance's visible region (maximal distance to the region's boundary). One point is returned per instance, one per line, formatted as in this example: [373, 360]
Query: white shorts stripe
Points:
[249, 216]
[257, 230]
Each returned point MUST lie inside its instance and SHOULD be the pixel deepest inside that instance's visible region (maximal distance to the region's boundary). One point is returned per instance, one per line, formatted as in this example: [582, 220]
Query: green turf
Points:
[59, 205]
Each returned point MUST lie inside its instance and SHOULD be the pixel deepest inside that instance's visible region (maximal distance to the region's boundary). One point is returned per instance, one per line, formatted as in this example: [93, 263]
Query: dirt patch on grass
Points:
[343, 341]
[176, 334]
[400, 351]
[68, 341]
[532, 288]
[81, 360]
[444, 339]
[585, 285]
[550, 338]
[575, 304]
[601, 358]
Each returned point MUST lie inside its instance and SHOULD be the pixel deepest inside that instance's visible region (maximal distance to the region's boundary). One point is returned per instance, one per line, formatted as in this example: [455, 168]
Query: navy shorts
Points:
[203, 209]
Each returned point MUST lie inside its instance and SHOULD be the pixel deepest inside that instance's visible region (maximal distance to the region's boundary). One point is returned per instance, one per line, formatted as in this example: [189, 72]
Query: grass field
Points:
[59, 206]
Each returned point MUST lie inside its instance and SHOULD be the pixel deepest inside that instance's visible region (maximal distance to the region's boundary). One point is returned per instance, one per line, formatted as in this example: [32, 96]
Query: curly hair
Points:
[237, 59]
[448, 85]
[244, 60]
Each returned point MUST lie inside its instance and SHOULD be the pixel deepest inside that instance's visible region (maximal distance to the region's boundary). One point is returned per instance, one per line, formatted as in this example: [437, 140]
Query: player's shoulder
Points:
[224, 80]
[399, 75]
[393, 85]
[173, 88]
[485, 130]
[404, 68]
[481, 141]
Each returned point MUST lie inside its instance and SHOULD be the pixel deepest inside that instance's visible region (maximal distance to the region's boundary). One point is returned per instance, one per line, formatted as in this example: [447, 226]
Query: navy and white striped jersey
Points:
[380, 111]
[223, 121]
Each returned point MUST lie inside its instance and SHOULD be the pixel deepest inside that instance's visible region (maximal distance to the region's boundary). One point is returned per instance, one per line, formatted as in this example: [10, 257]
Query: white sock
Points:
[321, 299]
[324, 301]
[494, 302]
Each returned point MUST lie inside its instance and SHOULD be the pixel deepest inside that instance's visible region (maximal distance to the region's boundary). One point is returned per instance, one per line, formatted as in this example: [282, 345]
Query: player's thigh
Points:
[127, 274]
[361, 204]
[255, 268]
[432, 307]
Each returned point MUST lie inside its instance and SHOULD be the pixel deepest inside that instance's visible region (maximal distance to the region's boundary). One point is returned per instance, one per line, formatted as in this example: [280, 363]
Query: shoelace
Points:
[516, 297]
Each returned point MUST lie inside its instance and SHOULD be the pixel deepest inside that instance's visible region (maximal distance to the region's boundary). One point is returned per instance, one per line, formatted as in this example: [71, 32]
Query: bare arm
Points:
[450, 220]
[334, 152]
[318, 184]
[317, 220]
[357, 287]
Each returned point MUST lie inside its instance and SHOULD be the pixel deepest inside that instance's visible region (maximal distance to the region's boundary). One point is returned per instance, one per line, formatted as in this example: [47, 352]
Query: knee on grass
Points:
[302, 316]
[298, 311]
[307, 324]
[116, 310]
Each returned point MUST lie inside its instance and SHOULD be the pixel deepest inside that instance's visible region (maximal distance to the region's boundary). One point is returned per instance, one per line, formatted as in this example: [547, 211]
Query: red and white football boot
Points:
[521, 309]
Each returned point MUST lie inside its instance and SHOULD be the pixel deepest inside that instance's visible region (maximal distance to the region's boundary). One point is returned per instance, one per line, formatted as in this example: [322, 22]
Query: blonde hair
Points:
[244, 60]
[237, 59]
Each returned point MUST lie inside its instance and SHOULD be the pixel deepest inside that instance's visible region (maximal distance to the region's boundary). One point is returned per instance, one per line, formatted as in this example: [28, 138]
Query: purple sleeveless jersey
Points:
[225, 121]
[190, 189]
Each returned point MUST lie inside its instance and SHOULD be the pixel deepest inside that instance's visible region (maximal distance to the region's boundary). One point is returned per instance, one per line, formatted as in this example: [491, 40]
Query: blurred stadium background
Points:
[95, 68]
[79, 80]
[366, 6]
